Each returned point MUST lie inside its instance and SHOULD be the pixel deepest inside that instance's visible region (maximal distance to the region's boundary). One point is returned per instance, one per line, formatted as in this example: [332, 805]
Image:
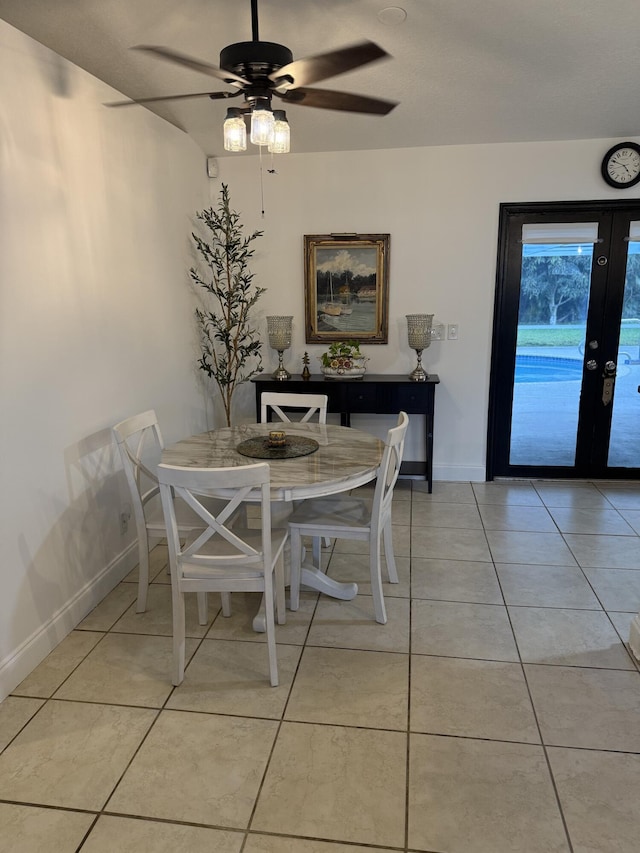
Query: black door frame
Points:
[593, 431]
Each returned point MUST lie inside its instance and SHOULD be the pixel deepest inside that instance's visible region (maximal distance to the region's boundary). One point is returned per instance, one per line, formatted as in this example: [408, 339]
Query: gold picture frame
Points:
[346, 287]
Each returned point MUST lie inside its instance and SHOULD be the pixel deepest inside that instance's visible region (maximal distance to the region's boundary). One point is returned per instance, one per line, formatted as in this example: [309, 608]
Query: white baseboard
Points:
[23, 660]
[459, 473]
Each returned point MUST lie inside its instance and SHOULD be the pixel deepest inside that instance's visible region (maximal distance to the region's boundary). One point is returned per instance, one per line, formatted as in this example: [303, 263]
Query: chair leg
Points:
[271, 631]
[177, 598]
[226, 603]
[392, 571]
[281, 612]
[143, 573]
[376, 581]
[203, 609]
[316, 552]
[296, 557]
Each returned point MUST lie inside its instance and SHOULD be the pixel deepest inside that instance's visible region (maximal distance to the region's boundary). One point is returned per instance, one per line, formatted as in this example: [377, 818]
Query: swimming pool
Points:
[539, 368]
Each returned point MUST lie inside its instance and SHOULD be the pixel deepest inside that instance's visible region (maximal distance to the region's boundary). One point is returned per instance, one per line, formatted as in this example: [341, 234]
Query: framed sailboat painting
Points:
[346, 287]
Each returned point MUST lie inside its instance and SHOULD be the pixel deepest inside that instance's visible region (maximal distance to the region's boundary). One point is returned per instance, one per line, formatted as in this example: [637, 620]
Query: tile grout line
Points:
[410, 664]
[280, 722]
[535, 716]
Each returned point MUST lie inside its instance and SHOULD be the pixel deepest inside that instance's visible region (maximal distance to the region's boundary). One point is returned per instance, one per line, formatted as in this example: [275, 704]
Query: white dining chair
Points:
[275, 402]
[140, 444]
[350, 517]
[222, 558]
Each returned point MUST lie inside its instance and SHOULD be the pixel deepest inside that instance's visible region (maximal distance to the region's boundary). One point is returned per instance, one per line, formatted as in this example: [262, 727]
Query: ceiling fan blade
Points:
[326, 99]
[312, 69]
[194, 64]
[213, 95]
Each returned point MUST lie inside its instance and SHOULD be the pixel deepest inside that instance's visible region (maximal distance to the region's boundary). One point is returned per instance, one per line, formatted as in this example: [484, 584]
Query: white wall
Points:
[441, 207]
[96, 323]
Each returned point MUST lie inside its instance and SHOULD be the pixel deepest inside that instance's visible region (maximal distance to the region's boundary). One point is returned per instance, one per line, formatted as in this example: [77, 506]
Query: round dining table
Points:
[344, 459]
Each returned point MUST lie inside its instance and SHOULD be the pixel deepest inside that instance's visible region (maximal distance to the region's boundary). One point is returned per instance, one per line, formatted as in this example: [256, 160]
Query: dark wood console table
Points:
[379, 394]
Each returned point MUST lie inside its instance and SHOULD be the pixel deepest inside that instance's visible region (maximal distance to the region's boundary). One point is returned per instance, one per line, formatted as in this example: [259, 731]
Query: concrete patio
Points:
[546, 414]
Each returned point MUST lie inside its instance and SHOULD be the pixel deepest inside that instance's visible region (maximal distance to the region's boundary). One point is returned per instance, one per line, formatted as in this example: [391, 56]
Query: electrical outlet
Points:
[125, 515]
[437, 332]
[452, 331]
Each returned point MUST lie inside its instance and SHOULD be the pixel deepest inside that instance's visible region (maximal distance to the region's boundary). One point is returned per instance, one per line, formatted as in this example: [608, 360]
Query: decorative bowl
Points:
[277, 438]
[345, 367]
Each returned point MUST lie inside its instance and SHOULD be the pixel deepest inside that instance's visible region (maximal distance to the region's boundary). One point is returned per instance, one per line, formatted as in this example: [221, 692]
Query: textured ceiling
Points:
[463, 71]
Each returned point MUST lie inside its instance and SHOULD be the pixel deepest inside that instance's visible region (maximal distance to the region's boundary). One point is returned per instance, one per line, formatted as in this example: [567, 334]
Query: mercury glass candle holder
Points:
[419, 337]
[279, 329]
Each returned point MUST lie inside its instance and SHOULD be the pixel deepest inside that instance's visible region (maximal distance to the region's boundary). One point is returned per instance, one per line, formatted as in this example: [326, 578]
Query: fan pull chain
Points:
[261, 184]
[271, 171]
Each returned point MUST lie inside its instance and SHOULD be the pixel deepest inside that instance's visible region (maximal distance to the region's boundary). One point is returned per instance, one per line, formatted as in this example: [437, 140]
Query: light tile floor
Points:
[498, 711]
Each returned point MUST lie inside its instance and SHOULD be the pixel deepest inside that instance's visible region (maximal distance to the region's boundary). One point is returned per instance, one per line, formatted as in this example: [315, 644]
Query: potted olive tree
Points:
[230, 347]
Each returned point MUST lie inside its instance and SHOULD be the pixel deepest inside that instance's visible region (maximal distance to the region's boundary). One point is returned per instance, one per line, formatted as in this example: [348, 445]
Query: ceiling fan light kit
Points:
[235, 131]
[280, 142]
[262, 70]
[269, 128]
[262, 123]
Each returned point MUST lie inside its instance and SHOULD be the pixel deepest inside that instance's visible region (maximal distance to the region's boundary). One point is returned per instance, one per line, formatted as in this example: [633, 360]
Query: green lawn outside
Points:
[563, 336]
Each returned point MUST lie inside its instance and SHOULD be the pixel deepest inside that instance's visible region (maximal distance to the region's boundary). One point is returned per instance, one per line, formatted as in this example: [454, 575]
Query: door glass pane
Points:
[552, 316]
[624, 444]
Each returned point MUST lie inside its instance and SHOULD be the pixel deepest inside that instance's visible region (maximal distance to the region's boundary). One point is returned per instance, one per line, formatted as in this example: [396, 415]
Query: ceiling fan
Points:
[259, 70]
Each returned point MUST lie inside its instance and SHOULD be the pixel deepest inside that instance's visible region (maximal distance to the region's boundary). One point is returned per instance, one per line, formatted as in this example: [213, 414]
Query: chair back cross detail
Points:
[277, 401]
[220, 558]
[217, 525]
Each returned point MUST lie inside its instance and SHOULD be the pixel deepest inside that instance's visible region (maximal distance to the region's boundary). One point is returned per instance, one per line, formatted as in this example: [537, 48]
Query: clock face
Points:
[621, 165]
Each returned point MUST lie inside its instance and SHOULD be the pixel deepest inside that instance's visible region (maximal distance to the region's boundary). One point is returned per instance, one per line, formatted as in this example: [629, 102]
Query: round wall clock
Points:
[621, 165]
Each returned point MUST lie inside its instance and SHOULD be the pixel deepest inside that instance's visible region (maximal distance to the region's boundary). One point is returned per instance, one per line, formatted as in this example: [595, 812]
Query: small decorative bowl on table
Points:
[277, 438]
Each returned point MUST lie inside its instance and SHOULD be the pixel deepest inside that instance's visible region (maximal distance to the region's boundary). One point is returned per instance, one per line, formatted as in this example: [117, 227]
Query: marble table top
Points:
[345, 458]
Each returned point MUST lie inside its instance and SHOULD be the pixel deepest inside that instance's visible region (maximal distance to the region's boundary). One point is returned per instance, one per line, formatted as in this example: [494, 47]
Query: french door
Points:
[565, 376]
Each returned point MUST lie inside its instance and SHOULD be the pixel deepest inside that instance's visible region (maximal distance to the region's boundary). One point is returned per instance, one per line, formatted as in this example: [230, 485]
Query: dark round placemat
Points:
[258, 448]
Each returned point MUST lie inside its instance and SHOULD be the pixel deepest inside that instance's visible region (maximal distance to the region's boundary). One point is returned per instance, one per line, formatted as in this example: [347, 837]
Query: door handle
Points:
[609, 379]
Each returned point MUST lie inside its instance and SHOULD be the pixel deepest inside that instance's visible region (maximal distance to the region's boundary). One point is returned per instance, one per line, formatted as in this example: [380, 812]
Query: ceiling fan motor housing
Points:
[254, 58]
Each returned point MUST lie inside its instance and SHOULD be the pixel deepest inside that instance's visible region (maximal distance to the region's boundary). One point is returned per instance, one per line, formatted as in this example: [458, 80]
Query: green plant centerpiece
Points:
[343, 359]
[230, 347]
